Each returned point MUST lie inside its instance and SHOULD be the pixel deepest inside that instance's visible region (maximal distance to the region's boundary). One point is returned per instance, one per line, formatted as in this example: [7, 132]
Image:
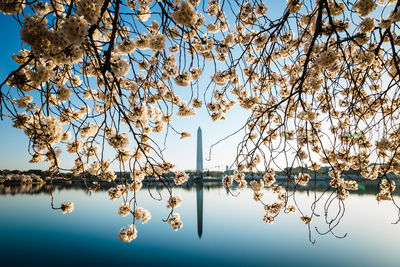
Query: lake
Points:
[229, 230]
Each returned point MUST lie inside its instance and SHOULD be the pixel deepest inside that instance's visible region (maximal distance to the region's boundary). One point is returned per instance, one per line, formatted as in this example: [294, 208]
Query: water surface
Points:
[228, 231]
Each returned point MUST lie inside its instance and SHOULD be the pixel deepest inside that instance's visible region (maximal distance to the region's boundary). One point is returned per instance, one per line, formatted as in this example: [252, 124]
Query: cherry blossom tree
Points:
[320, 81]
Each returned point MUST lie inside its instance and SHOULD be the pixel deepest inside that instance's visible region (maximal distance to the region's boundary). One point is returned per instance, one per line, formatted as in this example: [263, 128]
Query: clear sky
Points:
[14, 145]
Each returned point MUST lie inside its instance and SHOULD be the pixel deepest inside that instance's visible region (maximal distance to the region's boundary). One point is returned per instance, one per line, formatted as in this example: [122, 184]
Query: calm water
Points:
[233, 233]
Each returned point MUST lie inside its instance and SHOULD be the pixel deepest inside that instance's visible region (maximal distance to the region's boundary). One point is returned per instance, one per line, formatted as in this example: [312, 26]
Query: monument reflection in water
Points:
[199, 183]
[199, 201]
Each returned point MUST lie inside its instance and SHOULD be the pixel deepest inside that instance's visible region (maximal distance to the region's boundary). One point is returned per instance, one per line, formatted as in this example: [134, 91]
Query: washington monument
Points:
[199, 161]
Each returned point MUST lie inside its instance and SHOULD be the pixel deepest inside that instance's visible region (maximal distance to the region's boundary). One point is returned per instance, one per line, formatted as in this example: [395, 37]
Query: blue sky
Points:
[14, 145]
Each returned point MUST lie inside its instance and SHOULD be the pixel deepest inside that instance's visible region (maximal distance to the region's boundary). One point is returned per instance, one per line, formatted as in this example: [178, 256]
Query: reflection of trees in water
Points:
[366, 188]
[22, 189]
[32, 189]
